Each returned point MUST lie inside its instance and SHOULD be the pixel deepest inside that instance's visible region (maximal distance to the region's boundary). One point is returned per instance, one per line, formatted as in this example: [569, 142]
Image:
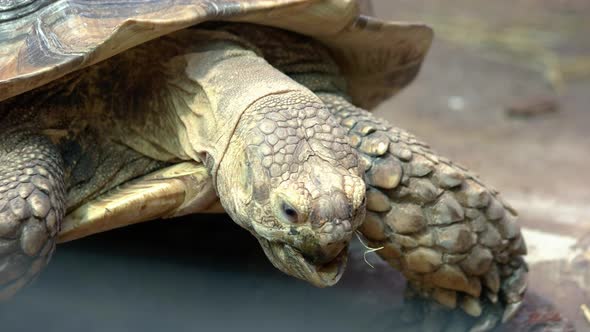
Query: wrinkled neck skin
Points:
[205, 88]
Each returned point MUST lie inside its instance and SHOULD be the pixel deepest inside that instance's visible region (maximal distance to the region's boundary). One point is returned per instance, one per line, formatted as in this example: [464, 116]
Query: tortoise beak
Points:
[292, 262]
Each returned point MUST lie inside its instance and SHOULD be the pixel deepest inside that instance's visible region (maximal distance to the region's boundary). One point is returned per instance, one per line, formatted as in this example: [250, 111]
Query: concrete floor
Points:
[156, 277]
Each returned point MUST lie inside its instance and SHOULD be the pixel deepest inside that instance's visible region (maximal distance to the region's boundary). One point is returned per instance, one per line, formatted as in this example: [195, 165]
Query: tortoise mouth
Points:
[292, 262]
[324, 274]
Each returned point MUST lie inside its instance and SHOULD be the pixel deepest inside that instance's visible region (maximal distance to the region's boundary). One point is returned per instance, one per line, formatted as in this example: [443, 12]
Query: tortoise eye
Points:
[289, 213]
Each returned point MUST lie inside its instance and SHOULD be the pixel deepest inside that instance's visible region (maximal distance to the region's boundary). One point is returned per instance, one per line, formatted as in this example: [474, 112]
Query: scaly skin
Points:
[298, 159]
[453, 238]
[280, 162]
[32, 205]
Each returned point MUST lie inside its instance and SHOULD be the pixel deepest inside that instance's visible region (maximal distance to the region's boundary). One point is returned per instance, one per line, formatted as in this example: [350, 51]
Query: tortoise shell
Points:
[43, 40]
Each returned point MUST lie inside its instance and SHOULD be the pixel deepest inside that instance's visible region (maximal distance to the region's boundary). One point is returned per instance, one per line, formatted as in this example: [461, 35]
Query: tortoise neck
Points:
[231, 80]
[303, 59]
[203, 93]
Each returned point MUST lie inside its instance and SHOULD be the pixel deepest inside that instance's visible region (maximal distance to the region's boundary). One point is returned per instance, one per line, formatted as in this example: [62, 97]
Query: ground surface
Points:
[204, 273]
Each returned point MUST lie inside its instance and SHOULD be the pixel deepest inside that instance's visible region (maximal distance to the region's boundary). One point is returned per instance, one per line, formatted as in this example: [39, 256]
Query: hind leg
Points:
[32, 205]
[452, 237]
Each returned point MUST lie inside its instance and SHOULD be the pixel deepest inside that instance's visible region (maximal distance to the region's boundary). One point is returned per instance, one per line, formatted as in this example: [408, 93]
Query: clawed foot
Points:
[420, 314]
[473, 315]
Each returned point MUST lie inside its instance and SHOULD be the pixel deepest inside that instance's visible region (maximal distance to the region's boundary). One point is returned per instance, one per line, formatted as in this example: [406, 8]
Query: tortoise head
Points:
[292, 179]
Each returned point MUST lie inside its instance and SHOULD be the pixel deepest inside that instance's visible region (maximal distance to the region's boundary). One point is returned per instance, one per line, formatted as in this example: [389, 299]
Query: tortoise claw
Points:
[489, 319]
[511, 311]
[486, 323]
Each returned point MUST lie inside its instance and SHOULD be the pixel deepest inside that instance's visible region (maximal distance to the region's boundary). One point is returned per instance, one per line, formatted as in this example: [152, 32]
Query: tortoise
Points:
[118, 113]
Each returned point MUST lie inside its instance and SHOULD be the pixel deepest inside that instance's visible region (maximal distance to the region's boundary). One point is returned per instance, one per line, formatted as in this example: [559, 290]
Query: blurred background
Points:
[504, 91]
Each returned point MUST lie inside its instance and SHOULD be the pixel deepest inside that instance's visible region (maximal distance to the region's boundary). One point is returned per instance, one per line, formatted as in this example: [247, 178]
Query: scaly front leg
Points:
[453, 238]
[32, 204]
